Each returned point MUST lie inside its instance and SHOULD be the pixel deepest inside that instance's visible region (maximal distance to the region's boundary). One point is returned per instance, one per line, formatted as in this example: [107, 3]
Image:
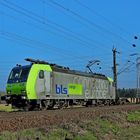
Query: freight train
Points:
[43, 85]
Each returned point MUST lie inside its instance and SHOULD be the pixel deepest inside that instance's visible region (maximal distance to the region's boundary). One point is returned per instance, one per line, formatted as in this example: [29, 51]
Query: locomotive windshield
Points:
[19, 74]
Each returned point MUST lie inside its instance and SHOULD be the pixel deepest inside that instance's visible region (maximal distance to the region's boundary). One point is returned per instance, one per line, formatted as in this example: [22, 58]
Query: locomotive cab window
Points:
[41, 74]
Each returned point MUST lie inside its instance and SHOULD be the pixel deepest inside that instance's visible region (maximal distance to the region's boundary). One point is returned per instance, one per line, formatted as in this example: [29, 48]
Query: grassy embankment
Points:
[117, 126]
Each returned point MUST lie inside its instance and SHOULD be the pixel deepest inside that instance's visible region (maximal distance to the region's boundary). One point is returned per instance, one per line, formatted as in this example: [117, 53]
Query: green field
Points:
[115, 126]
[134, 116]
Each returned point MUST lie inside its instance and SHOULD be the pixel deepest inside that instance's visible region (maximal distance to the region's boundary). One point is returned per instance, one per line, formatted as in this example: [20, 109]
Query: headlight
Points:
[8, 92]
[23, 97]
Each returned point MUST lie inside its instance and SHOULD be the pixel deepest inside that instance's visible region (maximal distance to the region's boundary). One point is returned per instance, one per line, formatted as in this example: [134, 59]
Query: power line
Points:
[19, 38]
[39, 49]
[103, 17]
[64, 29]
[39, 19]
[102, 35]
[29, 45]
[38, 44]
[33, 25]
[88, 21]
[5, 0]
[32, 43]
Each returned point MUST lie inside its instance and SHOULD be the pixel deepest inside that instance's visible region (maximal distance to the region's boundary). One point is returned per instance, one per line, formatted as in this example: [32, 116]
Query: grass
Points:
[41, 134]
[29, 134]
[132, 133]
[134, 116]
[88, 136]
[107, 127]
[101, 128]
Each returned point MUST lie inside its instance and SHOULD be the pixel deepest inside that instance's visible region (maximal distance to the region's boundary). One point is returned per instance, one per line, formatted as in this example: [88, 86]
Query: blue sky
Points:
[70, 33]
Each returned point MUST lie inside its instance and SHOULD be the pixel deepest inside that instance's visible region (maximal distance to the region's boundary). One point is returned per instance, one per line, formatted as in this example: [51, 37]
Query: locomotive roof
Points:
[68, 71]
[62, 69]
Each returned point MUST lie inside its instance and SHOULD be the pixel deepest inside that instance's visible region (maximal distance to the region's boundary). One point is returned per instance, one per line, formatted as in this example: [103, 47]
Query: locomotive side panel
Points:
[59, 85]
[112, 93]
[70, 86]
[43, 85]
[66, 86]
[100, 89]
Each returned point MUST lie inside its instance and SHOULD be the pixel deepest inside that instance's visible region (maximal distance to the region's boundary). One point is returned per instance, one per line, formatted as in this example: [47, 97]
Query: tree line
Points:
[129, 93]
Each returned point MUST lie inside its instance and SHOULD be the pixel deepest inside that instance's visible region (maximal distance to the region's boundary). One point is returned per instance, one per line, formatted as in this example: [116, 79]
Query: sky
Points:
[71, 33]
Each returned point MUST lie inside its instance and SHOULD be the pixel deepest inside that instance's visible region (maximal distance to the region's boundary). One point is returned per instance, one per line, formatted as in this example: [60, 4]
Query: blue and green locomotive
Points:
[45, 85]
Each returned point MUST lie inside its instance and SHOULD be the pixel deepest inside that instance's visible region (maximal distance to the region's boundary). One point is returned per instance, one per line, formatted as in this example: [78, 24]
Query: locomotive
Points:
[43, 85]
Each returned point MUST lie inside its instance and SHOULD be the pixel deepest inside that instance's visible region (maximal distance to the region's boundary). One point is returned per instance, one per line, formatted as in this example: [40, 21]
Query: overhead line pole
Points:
[115, 71]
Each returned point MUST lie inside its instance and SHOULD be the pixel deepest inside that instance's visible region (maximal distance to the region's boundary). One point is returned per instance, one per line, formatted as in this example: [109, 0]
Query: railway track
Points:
[13, 121]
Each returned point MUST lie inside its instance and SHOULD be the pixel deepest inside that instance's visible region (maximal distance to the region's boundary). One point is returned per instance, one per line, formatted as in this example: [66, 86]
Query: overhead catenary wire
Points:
[87, 45]
[64, 29]
[77, 59]
[62, 59]
[29, 45]
[129, 44]
[89, 21]
[103, 17]
[37, 44]
[125, 69]
[60, 29]
[31, 12]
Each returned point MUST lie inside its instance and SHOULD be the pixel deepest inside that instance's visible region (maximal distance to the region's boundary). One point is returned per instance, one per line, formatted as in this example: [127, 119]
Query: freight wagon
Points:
[43, 85]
